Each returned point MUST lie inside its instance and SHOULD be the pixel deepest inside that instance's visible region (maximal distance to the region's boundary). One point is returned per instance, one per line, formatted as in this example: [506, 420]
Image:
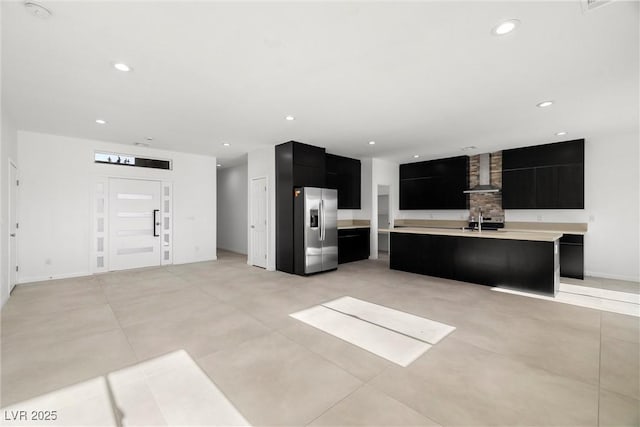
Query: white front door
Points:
[134, 223]
[258, 254]
[13, 226]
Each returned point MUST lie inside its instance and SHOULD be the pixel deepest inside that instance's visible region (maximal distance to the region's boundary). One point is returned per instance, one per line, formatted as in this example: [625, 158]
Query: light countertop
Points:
[351, 227]
[537, 236]
[543, 230]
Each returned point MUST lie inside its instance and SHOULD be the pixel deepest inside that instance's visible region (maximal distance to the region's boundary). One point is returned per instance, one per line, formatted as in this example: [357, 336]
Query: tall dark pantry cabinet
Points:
[297, 165]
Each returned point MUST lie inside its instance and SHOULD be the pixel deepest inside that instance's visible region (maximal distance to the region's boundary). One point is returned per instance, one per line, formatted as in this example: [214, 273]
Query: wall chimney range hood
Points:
[484, 170]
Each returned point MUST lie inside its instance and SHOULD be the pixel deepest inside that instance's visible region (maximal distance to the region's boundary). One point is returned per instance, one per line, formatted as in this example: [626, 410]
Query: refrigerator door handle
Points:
[321, 220]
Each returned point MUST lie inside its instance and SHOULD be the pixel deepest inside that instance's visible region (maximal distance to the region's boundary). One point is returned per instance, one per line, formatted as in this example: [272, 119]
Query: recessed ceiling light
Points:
[561, 133]
[372, 143]
[219, 165]
[121, 67]
[505, 27]
[416, 156]
[544, 104]
[101, 122]
[141, 144]
[149, 138]
[226, 144]
[37, 10]
[290, 118]
[468, 148]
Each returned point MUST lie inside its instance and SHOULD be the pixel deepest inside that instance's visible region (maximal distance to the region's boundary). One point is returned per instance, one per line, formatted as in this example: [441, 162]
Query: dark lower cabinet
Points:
[572, 256]
[353, 244]
[520, 264]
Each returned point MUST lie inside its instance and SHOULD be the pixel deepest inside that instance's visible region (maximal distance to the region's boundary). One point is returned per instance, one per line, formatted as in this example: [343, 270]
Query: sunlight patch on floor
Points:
[589, 297]
[168, 390]
[391, 334]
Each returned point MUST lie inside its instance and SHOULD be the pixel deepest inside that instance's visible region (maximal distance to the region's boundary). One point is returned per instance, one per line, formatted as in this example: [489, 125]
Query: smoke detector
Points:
[37, 10]
[588, 5]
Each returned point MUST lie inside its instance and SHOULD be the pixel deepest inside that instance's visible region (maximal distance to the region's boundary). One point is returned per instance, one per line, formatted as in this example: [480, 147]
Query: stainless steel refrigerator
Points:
[316, 230]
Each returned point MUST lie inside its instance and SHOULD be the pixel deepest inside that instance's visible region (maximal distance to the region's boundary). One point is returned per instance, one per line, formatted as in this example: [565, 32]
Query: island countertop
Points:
[535, 236]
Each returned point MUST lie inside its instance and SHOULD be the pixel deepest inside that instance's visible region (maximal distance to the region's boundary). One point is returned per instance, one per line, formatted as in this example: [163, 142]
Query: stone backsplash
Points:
[490, 203]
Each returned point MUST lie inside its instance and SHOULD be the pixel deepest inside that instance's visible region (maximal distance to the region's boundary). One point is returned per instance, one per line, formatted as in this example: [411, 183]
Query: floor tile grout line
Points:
[82, 335]
[621, 395]
[336, 403]
[407, 404]
[599, 370]
[529, 364]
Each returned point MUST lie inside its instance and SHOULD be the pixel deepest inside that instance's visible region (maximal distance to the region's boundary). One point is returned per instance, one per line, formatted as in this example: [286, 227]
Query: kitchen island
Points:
[512, 259]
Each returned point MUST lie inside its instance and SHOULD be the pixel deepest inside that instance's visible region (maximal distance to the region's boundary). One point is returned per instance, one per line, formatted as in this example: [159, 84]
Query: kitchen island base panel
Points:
[518, 264]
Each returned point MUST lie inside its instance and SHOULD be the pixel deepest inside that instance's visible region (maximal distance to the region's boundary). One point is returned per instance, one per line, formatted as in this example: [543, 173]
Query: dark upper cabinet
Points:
[547, 176]
[546, 189]
[344, 175]
[571, 186]
[559, 153]
[435, 184]
[519, 189]
[309, 166]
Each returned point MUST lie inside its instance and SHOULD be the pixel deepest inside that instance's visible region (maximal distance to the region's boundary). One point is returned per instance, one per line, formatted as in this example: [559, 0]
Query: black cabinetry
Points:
[353, 244]
[523, 264]
[297, 165]
[572, 256]
[435, 184]
[547, 176]
[343, 174]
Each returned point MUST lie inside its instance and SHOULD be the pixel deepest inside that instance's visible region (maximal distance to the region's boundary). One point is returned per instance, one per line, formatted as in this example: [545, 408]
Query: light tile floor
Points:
[511, 361]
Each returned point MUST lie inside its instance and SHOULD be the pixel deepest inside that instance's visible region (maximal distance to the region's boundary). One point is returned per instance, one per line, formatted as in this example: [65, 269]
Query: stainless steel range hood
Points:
[485, 177]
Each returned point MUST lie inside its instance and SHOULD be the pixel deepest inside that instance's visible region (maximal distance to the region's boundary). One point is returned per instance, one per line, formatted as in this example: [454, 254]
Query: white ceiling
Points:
[418, 78]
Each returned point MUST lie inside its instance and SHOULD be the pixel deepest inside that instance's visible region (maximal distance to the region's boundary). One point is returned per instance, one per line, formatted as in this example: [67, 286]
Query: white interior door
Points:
[258, 255]
[13, 226]
[134, 223]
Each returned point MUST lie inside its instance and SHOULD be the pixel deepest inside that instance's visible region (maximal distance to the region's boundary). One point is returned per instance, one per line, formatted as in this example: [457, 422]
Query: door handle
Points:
[253, 226]
[12, 234]
[155, 223]
[321, 220]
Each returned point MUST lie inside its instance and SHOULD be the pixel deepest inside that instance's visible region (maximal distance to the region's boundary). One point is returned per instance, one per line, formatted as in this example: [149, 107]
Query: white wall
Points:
[233, 197]
[262, 163]
[8, 150]
[57, 176]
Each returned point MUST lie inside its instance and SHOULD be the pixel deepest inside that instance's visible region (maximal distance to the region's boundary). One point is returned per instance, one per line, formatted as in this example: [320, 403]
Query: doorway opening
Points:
[13, 227]
[384, 220]
[258, 222]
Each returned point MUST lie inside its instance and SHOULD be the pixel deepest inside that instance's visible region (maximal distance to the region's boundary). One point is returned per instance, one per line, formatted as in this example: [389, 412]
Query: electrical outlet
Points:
[592, 218]
[47, 261]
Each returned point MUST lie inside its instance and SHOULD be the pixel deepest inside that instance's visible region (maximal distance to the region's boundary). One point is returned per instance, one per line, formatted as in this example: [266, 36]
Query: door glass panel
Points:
[128, 251]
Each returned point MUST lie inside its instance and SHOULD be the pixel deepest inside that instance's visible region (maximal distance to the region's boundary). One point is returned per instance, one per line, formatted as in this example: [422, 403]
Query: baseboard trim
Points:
[612, 276]
[35, 279]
